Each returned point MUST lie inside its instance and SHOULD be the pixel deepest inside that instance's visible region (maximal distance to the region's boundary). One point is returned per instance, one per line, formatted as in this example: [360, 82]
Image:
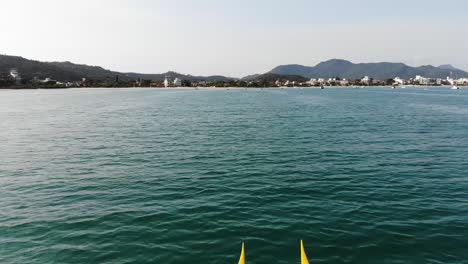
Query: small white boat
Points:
[455, 88]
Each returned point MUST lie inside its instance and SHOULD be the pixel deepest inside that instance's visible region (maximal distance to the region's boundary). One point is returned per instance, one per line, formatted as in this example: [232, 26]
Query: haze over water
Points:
[158, 176]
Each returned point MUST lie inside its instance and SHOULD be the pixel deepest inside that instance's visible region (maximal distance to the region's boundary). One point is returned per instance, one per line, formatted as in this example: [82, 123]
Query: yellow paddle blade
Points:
[242, 256]
[304, 259]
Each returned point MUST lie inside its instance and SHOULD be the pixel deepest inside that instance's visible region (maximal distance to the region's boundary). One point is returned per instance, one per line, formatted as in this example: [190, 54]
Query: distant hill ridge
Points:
[273, 77]
[447, 67]
[383, 70]
[67, 71]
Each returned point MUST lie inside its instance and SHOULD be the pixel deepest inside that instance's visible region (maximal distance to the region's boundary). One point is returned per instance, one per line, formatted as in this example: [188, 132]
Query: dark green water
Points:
[151, 176]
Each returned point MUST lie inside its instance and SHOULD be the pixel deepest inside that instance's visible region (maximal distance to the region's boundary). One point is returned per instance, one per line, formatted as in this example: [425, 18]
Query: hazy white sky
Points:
[234, 37]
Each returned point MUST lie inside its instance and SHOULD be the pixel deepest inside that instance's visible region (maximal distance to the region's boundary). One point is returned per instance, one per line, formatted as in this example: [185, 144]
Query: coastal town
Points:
[320, 82]
[20, 73]
[13, 80]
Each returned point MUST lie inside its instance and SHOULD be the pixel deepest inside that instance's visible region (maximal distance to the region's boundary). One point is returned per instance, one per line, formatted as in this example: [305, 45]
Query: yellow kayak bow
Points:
[242, 256]
[304, 259]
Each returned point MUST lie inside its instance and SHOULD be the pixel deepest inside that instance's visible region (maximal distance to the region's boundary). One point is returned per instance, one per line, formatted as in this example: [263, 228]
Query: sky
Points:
[234, 37]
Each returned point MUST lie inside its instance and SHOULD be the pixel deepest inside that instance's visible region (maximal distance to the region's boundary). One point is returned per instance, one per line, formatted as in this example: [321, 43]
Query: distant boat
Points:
[455, 88]
[322, 87]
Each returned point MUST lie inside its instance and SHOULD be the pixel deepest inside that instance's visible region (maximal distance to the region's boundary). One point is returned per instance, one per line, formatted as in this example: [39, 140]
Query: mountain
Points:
[448, 67]
[249, 78]
[67, 71]
[273, 77]
[349, 70]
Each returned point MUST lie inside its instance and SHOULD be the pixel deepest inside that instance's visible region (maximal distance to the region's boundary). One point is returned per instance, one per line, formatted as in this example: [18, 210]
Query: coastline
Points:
[237, 88]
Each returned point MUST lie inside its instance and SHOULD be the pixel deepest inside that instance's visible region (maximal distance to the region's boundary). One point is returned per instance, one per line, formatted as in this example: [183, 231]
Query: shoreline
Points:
[238, 88]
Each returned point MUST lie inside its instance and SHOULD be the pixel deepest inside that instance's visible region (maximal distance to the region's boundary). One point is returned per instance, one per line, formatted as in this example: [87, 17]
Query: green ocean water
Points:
[159, 176]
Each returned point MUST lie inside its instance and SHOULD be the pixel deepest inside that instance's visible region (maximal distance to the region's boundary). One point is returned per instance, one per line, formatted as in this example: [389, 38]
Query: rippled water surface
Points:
[155, 176]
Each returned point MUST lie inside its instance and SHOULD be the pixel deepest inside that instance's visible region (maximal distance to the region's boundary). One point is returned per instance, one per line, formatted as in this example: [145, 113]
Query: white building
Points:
[177, 82]
[15, 75]
[398, 81]
[422, 80]
[48, 80]
[462, 81]
[366, 80]
[344, 82]
[166, 82]
[313, 82]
